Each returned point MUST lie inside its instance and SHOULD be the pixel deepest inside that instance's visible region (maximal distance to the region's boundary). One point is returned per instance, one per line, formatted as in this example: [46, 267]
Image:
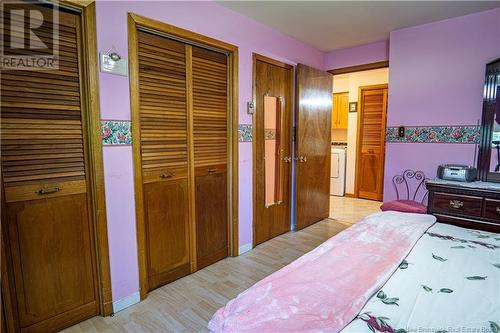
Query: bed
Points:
[392, 272]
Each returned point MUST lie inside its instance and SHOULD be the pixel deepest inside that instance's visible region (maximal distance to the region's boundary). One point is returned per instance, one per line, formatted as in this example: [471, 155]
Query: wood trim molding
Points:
[359, 68]
[270, 61]
[134, 22]
[91, 63]
[144, 22]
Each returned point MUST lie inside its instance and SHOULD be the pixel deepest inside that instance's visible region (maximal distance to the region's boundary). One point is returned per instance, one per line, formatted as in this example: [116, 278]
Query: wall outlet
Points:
[401, 131]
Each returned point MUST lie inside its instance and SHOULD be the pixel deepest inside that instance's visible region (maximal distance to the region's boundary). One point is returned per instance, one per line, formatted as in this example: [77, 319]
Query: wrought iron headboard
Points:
[417, 177]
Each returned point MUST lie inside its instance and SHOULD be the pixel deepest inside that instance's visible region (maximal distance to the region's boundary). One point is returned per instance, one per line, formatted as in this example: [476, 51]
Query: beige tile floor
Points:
[187, 304]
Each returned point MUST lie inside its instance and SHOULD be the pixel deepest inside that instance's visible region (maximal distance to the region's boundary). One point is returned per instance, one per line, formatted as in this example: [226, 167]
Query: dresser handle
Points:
[167, 175]
[456, 203]
[48, 190]
[498, 210]
[212, 170]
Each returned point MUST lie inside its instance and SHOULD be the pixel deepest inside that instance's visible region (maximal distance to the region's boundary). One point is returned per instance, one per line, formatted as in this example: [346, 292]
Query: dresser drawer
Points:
[492, 209]
[457, 204]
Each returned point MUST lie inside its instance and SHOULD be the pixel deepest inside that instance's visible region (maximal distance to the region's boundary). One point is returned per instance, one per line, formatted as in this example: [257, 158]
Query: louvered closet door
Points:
[45, 179]
[210, 105]
[164, 156]
[370, 175]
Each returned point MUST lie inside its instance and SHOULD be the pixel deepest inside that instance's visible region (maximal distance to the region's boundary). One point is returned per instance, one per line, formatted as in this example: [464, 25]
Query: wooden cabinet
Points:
[471, 205]
[340, 110]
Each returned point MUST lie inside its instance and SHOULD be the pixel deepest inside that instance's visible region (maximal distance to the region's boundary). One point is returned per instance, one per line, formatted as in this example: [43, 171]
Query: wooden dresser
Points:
[471, 205]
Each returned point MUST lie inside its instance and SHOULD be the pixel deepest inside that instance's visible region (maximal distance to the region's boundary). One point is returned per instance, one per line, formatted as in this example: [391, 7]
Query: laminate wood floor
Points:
[186, 305]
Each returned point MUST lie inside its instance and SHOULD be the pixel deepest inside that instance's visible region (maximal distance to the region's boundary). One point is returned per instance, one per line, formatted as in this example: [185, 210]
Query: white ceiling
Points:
[331, 25]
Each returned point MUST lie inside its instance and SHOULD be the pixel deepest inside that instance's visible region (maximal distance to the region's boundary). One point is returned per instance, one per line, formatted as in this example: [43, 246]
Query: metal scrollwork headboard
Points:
[405, 182]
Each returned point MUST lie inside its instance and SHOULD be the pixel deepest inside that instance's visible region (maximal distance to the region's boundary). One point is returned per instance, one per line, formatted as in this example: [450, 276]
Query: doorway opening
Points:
[358, 129]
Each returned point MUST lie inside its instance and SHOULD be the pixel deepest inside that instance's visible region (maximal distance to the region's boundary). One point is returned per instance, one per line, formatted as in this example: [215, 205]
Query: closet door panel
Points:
[52, 260]
[163, 110]
[45, 179]
[210, 108]
[167, 230]
[211, 212]
[164, 156]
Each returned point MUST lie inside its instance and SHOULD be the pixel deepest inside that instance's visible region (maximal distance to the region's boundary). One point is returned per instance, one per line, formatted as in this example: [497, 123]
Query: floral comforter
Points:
[450, 282]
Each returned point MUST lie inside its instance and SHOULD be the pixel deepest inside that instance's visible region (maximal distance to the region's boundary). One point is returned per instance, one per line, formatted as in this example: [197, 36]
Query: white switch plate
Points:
[110, 66]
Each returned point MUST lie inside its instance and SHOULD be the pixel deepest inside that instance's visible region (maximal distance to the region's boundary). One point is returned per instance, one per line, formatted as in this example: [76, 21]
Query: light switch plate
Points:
[110, 66]
[250, 107]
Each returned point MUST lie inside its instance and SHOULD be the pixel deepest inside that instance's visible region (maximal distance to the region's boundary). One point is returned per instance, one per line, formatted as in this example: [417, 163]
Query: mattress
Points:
[449, 282]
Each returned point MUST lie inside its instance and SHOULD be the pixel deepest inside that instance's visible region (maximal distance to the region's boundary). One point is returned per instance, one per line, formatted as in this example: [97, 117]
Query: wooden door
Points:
[371, 142]
[163, 124]
[313, 142]
[46, 181]
[340, 110]
[210, 122]
[272, 143]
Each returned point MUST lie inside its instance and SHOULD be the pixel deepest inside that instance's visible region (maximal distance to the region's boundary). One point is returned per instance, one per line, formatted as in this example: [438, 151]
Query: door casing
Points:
[136, 21]
[97, 204]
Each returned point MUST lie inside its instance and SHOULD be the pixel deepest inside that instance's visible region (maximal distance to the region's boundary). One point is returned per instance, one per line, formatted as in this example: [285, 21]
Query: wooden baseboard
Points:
[350, 195]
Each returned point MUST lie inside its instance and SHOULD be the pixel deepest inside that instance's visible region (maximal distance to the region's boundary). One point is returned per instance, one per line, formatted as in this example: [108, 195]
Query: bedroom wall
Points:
[435, 88]
[212, 20]
[359, 55]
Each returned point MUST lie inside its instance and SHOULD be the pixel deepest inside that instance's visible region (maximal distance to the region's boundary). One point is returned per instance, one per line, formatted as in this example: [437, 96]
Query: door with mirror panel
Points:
[272, 142]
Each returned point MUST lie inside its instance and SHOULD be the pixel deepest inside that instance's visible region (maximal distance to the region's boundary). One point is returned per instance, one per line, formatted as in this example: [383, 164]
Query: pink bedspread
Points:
[326, 288]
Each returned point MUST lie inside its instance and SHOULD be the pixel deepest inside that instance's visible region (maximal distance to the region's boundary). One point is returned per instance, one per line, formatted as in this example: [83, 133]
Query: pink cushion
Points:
[406, 206]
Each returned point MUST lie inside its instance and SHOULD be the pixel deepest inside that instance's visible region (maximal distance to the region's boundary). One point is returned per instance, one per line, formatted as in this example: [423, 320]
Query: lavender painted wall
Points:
[359, 55]
[435, 78]
[212, 20]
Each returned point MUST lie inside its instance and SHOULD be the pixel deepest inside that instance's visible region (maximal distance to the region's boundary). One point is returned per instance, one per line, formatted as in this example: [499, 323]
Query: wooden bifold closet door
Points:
[371, 142]
[46, 181]
[183, 93]
[210, 92]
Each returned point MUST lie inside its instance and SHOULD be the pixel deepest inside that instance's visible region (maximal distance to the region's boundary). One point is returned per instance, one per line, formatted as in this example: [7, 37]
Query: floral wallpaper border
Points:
[435, 134]
[245, 133]
[116, 132]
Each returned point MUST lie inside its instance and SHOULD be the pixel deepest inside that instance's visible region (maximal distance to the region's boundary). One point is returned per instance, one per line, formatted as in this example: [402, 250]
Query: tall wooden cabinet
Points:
[181, 155]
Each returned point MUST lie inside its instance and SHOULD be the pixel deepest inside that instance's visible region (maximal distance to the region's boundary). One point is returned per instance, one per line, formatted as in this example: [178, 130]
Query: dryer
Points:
[337, 171]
